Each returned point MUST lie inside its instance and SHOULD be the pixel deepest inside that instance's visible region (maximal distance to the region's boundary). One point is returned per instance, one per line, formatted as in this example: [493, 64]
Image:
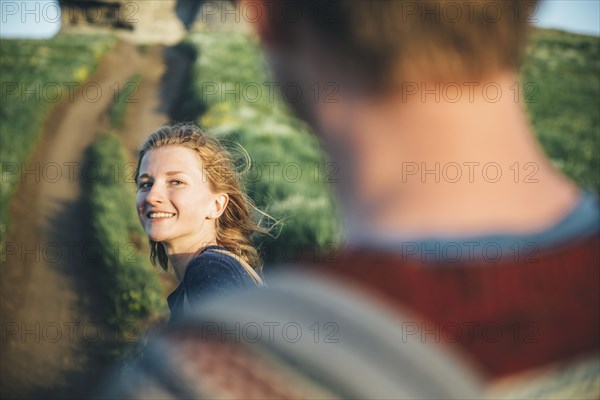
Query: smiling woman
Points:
[197, 218]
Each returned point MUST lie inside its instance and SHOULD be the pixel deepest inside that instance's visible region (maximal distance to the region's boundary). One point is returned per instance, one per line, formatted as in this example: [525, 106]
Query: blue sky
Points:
[29, 19]
[580, 16]
[40, 18]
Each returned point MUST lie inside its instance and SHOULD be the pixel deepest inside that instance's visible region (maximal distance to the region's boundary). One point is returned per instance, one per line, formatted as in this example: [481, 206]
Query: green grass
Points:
[37, 74]
[564, 104]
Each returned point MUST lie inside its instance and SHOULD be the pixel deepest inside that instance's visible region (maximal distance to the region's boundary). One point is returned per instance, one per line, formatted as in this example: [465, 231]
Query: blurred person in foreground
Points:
[460, 278]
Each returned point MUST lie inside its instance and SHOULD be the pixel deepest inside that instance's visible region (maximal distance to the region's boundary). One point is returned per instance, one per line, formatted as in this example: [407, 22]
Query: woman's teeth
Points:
[160, 215]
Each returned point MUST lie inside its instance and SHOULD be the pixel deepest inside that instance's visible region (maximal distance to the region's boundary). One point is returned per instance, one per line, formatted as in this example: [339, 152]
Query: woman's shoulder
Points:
[217, 267]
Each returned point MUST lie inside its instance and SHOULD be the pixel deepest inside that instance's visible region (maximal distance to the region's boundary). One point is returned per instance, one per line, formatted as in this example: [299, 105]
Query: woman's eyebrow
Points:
[169, 173]
[174, 173]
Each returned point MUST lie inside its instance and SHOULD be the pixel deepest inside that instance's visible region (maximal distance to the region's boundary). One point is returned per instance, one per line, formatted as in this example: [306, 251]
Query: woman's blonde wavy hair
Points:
[236, 224]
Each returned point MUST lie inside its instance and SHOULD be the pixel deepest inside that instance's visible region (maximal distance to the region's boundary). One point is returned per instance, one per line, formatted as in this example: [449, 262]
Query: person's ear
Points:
[218, 206]
[262, 18]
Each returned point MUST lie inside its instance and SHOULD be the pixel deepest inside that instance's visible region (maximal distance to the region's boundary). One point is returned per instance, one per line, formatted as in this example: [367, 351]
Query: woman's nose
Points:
[156, 194]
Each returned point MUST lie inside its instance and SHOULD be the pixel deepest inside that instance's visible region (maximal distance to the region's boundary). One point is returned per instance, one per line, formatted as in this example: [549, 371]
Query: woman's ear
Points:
[219, 204]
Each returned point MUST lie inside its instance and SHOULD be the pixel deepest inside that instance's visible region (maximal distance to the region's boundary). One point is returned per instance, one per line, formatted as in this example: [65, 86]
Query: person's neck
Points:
[180, 255]
[421, 165]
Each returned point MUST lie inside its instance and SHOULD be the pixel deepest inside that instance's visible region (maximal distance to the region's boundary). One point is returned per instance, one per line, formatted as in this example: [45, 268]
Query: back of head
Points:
[380, 42]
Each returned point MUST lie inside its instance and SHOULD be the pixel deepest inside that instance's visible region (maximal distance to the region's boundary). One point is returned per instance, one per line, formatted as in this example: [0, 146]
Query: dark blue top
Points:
[208, 273]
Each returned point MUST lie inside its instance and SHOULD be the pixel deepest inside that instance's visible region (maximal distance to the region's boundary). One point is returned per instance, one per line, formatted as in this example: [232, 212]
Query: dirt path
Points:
[147, 113]
[54, 340]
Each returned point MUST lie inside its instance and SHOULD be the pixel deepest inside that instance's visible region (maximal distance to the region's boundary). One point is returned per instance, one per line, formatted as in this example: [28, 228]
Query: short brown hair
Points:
[382, 38]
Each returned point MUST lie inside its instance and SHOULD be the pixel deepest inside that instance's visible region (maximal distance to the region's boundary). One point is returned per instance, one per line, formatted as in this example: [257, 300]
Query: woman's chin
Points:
[157, 236]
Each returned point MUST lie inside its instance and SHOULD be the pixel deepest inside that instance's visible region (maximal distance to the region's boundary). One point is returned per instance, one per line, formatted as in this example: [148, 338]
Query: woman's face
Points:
[174, 201]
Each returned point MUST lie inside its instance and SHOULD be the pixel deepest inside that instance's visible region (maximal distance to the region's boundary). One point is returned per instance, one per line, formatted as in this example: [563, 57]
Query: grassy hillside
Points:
[560, 82]
[564, 101]
[287, 175]
[37, 74]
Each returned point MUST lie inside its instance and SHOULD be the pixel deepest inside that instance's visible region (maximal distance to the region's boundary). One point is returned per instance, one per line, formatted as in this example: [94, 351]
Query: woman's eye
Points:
[144, 185]
[176, 182]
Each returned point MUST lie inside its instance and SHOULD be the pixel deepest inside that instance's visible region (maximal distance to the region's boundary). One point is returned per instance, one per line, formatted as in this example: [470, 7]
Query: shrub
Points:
[122, 100]
[131, 284]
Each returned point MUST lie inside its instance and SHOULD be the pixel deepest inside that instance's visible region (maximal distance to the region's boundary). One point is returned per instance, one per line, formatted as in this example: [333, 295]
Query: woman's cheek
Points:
[139, 204]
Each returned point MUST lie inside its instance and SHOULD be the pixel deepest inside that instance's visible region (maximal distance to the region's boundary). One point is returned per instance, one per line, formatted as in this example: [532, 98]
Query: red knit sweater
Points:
[509, 316]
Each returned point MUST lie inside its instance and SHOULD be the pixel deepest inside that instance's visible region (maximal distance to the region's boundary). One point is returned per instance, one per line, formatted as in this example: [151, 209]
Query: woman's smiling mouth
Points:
[159, 214]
